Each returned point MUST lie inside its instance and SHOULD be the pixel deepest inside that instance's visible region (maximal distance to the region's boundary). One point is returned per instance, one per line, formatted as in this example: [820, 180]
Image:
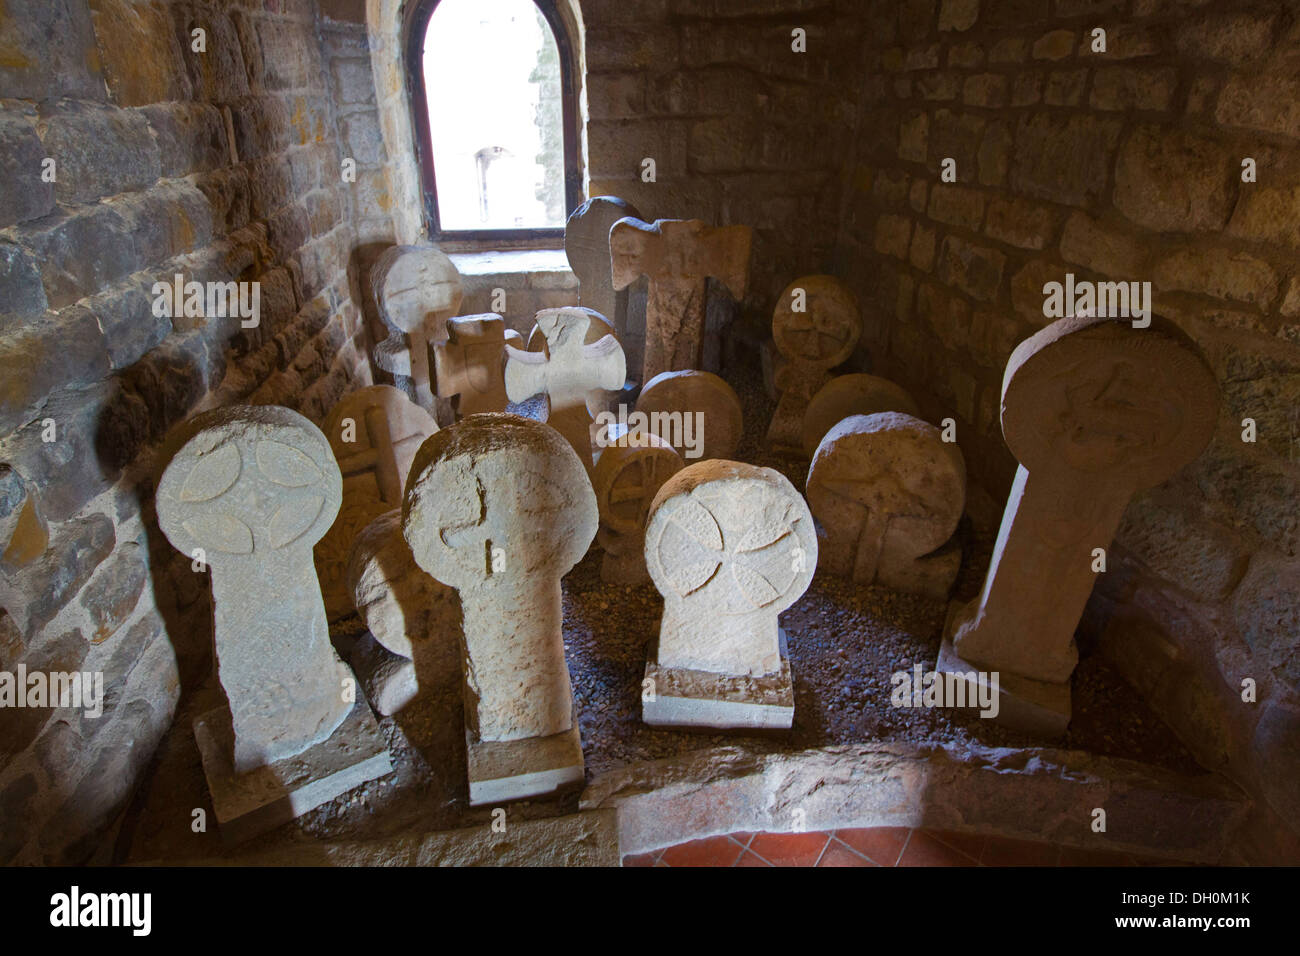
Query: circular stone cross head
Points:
[825, 333]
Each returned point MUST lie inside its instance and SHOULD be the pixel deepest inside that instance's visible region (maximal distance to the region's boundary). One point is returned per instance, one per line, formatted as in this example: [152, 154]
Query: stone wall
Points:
[217, 165]
[1123, 165]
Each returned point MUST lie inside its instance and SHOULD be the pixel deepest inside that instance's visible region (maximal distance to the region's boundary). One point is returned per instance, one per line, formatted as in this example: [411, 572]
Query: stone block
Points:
[1171, 181]
[1065, 159]
[976, 270]
[47, 50]
[81, 253]
[1101, 248]
[140, 52]
[1019, 222]
[99, 151]
[22, 295]
[23, 193]
[1134, 88]
[1234, 276]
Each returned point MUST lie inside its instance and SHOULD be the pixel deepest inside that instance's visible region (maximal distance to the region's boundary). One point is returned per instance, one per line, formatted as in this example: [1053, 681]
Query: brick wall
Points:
[221, 165]
[1117, 165]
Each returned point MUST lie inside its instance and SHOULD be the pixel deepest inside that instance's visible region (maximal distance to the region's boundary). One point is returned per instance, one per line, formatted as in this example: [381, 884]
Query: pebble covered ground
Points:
[845, 643]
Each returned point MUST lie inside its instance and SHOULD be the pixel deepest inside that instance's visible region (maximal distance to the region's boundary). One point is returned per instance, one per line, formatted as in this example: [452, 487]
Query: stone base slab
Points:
[1029, 706]
[690, 698]
[252, 803]
[500, 771]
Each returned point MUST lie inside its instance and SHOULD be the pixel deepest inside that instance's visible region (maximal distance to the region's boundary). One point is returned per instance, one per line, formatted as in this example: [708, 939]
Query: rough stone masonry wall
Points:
[218, 165]
[1123, 165]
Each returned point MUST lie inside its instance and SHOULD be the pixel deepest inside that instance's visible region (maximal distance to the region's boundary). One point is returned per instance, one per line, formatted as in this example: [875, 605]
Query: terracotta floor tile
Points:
[972, 844]
[1002, 851]
[751, 859]
[837, 854]
[642, 859]
[789, 849]
[743, 837]
[924, 850]
[883, 845]
[711, 851]
[1076, 856]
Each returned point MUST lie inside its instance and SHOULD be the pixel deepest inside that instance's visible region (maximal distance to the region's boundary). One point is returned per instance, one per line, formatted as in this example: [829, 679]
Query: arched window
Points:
[493, 89]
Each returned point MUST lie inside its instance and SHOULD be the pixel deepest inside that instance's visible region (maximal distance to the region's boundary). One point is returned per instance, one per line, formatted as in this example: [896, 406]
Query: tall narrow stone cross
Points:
[1094, 410]
[417, 289]
[678, 256]
[469, 364]
[500, 508]
[566, 372]
[586, 243]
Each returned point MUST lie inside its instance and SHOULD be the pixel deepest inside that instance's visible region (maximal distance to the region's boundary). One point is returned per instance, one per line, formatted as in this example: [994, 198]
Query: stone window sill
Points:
[515, 268]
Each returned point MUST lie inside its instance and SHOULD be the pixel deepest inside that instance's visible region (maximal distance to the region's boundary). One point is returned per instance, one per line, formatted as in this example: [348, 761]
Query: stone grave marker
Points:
[678, 256]
[469, 364]
[815, 327]
[729, 546]
[598, 399]
[413, 620]
[374, 433]
[500, 507]
[854, 394]
[887, 493]
[626, 478]
[1094, 410]
[566, 373]
[248, 491]
[586, 244]
[716, 420]
[417, 289]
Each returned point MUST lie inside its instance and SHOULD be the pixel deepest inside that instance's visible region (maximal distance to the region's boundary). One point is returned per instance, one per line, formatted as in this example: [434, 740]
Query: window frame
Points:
[418, 16]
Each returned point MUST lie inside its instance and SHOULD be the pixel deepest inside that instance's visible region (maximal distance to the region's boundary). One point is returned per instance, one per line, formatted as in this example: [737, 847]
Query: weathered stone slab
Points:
[586, 244]
[887, 493]
[854, 394]
[716, 420]
[417, 289]
[815, 327]
[566, 373]
[248, 804]
[678, 256]
[469, 364]
[1094, 409]
[374, 433]
[729, 546]
[500, 507]
[249, 491]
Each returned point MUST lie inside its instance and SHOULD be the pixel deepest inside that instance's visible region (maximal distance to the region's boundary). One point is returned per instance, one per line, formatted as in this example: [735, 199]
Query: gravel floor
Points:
[845, 643]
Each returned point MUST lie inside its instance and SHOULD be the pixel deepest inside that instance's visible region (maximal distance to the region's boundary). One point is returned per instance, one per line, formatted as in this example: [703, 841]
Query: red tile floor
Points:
[875, 846]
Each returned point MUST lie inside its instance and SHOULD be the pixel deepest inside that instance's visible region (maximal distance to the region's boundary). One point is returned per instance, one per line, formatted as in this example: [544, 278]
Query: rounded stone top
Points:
[691, 390]
[826, 331]
[247, 480]
[497, 496]
[627, 477]
[731, 537]
[854, 394]
[1095, 396]
[412, 281]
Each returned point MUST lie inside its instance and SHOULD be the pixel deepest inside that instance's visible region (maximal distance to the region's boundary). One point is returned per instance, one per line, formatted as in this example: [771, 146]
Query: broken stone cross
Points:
[729, 546]
[469, 364]
[1094, 410]
[500, 508]
[417, 289]
[566, 373]
[678, 256]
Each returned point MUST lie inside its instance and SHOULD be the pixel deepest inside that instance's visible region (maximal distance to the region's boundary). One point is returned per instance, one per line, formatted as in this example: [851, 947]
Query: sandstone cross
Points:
[886, 491]
[566, 373]
[678, 256]
[1094, 410]
[374, 433]
[500, 508]
[469, 364]
[729, 546]
[249, 491]
[626, 479]
[417, 289]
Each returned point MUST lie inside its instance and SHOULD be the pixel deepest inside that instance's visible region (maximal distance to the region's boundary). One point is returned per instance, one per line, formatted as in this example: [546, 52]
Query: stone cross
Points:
[678, 256]
[248, 491]
[886, 491]
[729, 546]
[469, 363]
[626, 478]
[417, 289]
[414, 620]
[566, 373]
[500, 507]
[1094, 410]
[854, 394]
[586, 243]
[716, 420]
[815, 327]
[374, 433]
[598, 399]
